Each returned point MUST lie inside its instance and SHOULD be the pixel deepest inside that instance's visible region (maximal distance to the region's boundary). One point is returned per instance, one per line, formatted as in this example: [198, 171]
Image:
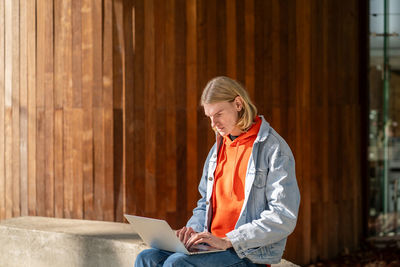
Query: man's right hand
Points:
[184, 234]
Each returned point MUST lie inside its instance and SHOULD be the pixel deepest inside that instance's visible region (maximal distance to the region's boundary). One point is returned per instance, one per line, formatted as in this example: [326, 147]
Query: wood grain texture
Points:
[31, 43]
[2, 113]
[191, 104]
[107, 199]
[88, 89]
[138, 196]
[16, 161]
[249, 20]
[100, 113]
[95, 194]
[160, 95]
[76, 123]
[58, 163]
[150, 107]
[231, 42]
[76, 40]
[49, 109]
[24, 108]
[118, 104]
[129, 132]
[170, 105]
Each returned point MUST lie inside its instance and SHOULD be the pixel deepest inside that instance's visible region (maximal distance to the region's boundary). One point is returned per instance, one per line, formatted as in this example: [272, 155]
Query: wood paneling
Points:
[2, 108]
[100, 113]
[31, 44]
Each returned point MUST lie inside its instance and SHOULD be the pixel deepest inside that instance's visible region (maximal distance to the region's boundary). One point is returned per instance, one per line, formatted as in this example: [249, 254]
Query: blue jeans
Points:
[157, 258]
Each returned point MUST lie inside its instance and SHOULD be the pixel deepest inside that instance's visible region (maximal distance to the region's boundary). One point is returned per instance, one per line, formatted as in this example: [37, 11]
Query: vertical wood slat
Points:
[149, 98]
[62, 94]
[212, 32]
[40, 107]
[99, 178]
[2, 108]
[74, 117]
[181, 123]
[40, 159]
[8, 106]
[60, 83]
[49, 110]
[15, 110]
[58, 163]
[31, 25]
[191, 102]
[138, 192]
[202, 122]
[105, 198]
[98, 171]
[160, 96]
[63, 97]
[97, 9]
[170, 93]
[118, 104]
[240, 46]
[23, 108]
[76, 132]
[231, 38]
[68, 166]
[249, 47]
[129, 132]
[87, 104]
[76, 27]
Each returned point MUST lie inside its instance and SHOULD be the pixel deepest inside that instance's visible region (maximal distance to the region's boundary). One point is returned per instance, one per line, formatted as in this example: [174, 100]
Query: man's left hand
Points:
[210, 239]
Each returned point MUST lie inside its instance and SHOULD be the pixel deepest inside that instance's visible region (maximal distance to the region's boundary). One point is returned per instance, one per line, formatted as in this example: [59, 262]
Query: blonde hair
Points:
[222, 89]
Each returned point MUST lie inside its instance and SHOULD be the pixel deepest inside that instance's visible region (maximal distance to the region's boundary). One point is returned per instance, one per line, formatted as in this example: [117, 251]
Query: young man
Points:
[250, 197]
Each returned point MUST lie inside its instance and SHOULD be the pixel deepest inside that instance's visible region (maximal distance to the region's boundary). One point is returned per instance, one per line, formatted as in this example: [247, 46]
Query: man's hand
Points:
[210, 239]
[184, 234]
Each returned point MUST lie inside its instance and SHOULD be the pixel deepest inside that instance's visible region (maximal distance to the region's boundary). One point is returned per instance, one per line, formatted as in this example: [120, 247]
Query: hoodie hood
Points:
[260, 126]
[246, 136]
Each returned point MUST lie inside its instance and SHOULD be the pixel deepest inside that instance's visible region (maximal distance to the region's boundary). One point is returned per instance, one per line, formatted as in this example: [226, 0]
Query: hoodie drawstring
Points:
[234, 169]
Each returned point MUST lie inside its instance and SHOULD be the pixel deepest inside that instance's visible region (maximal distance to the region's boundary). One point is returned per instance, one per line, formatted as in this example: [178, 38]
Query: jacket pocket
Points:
[260, 179]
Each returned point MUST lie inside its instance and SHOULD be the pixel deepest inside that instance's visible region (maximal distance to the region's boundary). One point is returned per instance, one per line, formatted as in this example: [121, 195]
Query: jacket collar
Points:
[264, 130]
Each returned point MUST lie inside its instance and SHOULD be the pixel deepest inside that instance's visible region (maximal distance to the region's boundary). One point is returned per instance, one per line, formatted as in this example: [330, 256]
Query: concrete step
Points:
[42, 242]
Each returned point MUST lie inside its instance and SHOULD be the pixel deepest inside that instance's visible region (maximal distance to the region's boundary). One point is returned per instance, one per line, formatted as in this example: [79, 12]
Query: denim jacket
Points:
[271, 203]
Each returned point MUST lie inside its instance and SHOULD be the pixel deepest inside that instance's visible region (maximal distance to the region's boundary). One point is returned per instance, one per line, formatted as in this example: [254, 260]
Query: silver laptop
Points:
[158, 234]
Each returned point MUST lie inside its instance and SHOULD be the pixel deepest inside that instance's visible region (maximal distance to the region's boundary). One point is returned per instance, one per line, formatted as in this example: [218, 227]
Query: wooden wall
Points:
[100, 115]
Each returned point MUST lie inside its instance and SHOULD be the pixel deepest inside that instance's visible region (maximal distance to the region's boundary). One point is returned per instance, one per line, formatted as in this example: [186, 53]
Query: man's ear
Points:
[238, 103]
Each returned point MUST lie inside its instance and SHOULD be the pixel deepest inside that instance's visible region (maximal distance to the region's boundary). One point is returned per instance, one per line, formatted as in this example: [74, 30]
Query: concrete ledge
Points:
[41, 242]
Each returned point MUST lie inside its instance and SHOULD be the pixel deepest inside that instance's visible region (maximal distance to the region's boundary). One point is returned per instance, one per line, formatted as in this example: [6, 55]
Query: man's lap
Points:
[156, 257]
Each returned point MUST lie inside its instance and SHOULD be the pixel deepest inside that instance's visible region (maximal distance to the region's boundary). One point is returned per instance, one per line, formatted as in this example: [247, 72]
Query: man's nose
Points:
[212, 123]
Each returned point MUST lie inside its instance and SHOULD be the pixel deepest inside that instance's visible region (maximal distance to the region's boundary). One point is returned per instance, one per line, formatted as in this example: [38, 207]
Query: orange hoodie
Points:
[230, 175]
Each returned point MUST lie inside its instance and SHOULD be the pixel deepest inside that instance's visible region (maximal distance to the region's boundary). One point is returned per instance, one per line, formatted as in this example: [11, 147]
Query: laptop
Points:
[158, 234]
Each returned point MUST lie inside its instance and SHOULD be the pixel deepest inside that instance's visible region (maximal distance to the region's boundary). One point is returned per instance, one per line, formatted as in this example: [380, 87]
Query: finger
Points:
[191, 240]
[196, 237]
[204, 240]
[187, 235]
[177, 232]
[182, 233]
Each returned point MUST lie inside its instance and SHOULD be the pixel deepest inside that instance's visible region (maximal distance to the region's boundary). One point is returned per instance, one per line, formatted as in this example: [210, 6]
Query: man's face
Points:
[224, 116]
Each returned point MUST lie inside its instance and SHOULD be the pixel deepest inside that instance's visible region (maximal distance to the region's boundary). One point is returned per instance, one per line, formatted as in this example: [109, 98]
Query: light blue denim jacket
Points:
[271, 203]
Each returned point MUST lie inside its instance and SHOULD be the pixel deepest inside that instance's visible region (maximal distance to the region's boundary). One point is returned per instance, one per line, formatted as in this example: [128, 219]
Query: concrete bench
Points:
[40, 241]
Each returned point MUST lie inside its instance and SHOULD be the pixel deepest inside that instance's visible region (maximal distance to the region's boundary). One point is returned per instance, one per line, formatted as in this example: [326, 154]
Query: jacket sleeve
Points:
[279, 218]
[198, 219]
